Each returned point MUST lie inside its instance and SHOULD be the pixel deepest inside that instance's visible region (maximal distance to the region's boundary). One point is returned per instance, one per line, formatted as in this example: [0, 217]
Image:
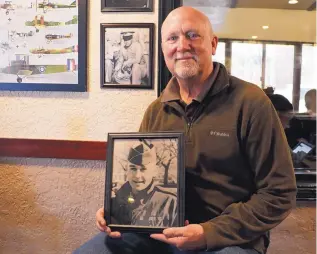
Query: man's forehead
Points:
[183, 27]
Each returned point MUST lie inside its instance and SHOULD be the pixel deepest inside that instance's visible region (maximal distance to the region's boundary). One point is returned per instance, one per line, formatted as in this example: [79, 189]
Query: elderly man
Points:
[139, 201]
[239, 176]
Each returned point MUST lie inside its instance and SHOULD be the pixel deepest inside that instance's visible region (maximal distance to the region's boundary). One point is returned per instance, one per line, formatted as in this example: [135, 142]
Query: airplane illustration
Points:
[7, 6]
[13, 34]
[52, 37]
[42, 51]
[4, 46]
[39, 22]
[46, 5]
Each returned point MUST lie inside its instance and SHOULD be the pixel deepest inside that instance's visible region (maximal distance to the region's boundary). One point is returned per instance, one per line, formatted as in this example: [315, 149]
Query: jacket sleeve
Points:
[268, 155]
[144, 127]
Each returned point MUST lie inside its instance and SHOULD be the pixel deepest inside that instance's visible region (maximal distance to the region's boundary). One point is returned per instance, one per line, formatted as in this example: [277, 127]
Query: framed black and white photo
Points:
[43, 45]
[127, 55]
[127, 5]
[144, 189]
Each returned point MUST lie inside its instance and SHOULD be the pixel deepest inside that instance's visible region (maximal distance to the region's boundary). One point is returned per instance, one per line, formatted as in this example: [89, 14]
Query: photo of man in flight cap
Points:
[140, 201]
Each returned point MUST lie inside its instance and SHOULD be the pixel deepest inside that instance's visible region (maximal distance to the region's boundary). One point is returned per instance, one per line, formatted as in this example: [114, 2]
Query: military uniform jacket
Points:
[155, 206]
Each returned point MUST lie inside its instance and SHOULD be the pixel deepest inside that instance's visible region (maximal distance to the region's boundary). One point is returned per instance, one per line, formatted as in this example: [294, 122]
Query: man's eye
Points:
[133, 168]
[172, 38]
[192, 35]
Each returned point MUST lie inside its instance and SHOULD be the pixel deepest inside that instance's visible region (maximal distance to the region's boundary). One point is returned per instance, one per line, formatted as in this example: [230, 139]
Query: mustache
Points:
[186, 55]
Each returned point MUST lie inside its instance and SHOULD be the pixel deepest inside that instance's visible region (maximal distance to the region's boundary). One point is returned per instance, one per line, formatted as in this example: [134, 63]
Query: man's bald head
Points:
[188, 44]
[187, 11]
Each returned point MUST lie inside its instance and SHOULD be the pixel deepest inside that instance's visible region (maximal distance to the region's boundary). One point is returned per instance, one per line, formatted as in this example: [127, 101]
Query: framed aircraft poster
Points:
[43, 45]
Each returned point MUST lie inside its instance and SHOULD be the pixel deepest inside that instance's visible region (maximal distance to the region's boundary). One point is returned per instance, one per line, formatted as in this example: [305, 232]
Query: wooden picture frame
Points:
[145, 181]
[127, 5]
[127, 55]
[44, 46]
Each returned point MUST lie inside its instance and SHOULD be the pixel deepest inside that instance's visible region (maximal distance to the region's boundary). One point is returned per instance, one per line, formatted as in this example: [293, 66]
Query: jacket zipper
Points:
[190, 122]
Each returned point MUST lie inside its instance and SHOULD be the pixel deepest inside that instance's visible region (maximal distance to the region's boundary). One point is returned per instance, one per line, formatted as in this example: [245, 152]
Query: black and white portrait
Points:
[127, 5]
[144, 182]
[127, 54]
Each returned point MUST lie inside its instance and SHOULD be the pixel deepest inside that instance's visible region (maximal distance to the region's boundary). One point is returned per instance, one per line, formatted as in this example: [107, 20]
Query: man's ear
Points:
[214, 43]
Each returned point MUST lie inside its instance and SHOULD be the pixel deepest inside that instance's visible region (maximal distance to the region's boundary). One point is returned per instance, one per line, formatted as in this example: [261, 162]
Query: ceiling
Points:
[308, 5]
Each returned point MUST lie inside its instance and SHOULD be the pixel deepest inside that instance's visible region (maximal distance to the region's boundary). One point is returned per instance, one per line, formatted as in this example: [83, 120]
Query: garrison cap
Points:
[142, 153]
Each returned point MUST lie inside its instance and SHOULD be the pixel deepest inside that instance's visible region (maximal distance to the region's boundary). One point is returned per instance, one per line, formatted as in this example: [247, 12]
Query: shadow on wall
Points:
[22, 220]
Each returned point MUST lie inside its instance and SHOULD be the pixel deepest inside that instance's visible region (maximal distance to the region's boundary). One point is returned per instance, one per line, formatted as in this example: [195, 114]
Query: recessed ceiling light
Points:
[292, 1]
[265, 27]
[254, 37]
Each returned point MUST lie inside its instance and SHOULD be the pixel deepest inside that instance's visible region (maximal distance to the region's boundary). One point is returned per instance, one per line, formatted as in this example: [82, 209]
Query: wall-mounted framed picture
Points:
[127, 5]
[43, 45]
[127, 55]
[144, 189]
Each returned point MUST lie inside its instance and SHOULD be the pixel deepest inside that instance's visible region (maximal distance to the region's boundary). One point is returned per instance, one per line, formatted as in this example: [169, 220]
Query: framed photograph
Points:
[127, 5]
[127, 55]
[43, 45]
[145, 177]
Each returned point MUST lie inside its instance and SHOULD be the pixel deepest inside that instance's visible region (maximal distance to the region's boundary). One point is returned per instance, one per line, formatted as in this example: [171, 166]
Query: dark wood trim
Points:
[164, 76]
[312, 7]
[297, 75]
[233, 3]
[228, 54]
[59, 149]
[266, 41]
[263, 65]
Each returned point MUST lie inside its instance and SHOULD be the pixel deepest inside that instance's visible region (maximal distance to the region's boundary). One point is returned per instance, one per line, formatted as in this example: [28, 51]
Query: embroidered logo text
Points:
[219, 134]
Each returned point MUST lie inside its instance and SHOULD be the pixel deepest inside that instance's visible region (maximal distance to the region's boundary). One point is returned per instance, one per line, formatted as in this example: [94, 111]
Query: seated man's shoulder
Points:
[249, 92]
[155, 105]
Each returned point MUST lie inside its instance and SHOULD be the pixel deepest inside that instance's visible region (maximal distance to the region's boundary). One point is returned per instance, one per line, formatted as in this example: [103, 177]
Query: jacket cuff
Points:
[213, 239]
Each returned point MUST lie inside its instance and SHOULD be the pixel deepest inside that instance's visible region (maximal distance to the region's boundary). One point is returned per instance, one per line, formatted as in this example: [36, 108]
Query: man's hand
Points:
[190, 237]
[102, 226]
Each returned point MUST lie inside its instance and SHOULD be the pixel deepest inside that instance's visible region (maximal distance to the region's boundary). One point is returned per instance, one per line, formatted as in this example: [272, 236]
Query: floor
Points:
[296, 234]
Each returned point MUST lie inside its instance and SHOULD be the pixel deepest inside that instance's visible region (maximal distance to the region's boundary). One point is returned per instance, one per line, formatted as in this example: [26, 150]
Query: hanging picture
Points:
[43, 45]
[126, 5]
[127, 55]
[144, 189]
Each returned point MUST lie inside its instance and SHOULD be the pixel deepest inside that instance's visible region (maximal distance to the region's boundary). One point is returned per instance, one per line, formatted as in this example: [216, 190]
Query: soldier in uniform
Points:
[139, 201]
[132, 65]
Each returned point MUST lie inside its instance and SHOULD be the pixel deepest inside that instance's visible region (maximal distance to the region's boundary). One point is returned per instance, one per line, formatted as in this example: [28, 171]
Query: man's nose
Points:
[138, 174]
[184, 44]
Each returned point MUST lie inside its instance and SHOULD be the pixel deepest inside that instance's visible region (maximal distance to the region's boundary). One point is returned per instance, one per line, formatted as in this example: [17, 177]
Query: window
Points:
[220, 56]
[309, 74]
[246, 61]
[279, 69]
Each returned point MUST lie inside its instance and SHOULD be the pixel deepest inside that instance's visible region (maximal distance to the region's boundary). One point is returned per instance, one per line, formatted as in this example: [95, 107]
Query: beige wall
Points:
[48, 205]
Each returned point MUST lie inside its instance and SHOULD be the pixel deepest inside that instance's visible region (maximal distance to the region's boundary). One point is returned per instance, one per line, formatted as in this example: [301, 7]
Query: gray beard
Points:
[186, 71]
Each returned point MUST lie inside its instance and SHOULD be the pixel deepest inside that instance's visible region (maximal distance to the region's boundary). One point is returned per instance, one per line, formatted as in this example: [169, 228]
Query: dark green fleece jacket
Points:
[240, 181]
